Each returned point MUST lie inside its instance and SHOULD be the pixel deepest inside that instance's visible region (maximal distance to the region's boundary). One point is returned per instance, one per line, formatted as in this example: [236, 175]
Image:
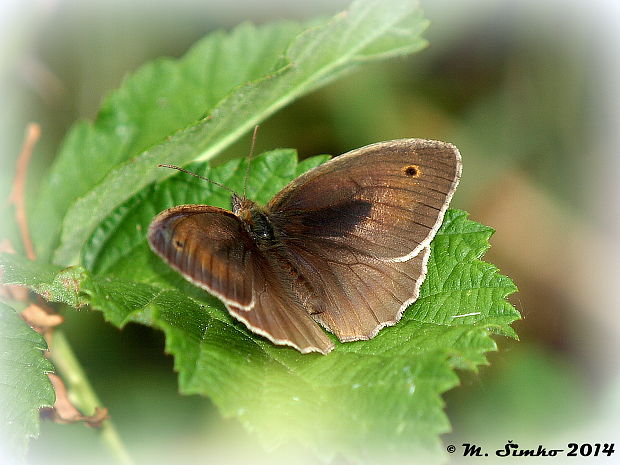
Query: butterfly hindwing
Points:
[279, 316]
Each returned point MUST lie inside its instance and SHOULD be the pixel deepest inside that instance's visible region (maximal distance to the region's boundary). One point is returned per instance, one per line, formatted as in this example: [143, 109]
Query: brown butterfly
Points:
[343, 246]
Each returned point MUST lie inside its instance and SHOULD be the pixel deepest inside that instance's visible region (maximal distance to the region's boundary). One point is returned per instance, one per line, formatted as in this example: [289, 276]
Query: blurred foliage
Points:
[24, 385]
[525, 398]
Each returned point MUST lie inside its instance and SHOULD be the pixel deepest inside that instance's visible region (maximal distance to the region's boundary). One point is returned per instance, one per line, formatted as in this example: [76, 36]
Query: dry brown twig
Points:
[17, 197]
[42, 317]
[65, 412]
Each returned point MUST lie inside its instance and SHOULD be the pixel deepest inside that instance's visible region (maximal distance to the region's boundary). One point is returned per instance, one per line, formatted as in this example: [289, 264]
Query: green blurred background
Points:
[527, 91]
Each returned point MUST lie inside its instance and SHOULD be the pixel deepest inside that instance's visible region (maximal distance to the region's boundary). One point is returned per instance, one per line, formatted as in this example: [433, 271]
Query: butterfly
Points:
[343, 247]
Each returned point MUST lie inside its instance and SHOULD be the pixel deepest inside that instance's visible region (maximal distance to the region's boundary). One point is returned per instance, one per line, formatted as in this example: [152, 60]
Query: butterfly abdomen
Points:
[301, 288]
[264, 233]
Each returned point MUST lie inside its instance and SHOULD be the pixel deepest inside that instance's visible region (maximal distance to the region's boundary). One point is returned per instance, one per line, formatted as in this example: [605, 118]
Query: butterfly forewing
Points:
[211, 248]
[359, 228]
[387, 199]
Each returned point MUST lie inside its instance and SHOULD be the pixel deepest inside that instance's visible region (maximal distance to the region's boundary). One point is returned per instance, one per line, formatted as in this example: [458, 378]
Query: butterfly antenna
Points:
[251, 154]
[174, 167]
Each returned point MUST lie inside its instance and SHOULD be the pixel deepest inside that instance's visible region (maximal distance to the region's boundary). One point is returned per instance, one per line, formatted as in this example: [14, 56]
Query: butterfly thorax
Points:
[255, 220]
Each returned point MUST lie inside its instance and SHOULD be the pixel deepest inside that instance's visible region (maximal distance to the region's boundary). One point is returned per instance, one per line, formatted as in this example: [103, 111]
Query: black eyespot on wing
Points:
[412, 171]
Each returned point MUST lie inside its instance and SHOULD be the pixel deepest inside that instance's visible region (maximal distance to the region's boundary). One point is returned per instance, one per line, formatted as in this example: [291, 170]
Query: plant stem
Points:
[85, 397]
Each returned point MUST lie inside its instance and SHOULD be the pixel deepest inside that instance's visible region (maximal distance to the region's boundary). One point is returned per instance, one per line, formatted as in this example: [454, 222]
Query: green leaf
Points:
[373, 401]
[24, 385]
[53, 283]
[176, 111]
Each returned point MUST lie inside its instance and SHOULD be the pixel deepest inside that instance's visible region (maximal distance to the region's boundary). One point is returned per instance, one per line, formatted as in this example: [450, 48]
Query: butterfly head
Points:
[241, 206]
